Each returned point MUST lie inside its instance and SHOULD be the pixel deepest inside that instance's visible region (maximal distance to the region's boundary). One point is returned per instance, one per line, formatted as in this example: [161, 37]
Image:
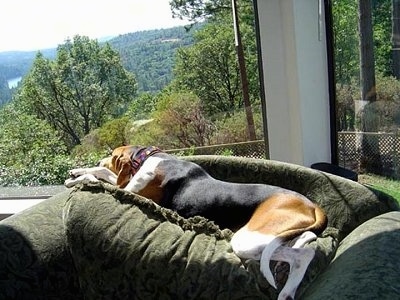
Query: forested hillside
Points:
[150, 54]
[15, 64]
[92, 97]
[147, 54]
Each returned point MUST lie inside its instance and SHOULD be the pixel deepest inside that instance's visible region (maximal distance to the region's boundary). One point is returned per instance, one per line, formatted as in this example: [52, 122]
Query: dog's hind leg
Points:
[303, 239]
[252, 245]
[298, 260]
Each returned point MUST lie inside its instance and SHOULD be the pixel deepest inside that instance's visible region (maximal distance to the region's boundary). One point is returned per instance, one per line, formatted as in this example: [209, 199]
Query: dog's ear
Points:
[125, 171]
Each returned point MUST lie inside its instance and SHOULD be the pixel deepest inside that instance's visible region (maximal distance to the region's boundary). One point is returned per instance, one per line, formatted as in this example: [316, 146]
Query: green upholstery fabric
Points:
[34, 260]
[123, 244]
[99, 242]
[366, 265]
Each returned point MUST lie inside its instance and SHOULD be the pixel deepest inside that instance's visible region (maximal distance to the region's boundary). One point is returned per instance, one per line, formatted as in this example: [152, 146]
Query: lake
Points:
[13, 82]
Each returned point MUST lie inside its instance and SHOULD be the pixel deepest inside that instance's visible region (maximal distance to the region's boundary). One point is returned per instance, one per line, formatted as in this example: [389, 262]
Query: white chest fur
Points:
[146, 174]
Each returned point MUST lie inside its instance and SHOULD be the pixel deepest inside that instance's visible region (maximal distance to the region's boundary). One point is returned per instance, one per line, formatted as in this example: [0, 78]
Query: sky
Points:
[27, 25]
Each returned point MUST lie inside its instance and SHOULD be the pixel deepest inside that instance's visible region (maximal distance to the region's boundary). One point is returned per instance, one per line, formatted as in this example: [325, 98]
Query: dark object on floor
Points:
[335, 170]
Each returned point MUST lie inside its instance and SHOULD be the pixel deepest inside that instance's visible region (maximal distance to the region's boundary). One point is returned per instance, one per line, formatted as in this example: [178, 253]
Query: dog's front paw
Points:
[70, 182]
[74, 173]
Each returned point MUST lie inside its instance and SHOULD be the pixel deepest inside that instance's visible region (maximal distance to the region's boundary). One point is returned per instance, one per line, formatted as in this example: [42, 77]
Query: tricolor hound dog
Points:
[262, 216]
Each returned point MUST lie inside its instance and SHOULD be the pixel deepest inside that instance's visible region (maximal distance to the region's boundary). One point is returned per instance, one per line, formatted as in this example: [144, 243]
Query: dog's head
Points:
[120, 163]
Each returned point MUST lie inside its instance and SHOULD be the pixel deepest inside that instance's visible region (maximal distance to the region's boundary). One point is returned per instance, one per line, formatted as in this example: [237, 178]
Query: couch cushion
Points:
[125, 245]
[366, 265]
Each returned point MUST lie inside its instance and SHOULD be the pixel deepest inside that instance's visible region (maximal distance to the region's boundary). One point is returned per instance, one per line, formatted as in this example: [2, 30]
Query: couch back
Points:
[346, 203]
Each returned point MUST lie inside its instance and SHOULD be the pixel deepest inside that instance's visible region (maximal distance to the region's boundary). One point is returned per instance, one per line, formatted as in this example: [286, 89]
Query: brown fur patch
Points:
[153, 189]
[286, 215]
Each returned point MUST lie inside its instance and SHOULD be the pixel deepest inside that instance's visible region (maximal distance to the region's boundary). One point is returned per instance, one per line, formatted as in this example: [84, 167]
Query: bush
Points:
[52, 171]
[233, 129]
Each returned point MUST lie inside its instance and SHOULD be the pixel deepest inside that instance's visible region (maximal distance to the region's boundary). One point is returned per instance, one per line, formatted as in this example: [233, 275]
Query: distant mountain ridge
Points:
[148, 54]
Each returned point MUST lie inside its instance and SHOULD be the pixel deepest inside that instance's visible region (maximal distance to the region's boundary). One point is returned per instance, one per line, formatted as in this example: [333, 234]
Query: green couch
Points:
[96, 241]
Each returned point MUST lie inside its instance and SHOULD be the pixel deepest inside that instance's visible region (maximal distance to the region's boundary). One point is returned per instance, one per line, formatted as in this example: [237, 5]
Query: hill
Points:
[148, 54]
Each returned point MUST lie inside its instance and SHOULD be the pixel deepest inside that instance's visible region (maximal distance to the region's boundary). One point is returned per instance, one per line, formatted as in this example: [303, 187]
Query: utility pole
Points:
[243, 74]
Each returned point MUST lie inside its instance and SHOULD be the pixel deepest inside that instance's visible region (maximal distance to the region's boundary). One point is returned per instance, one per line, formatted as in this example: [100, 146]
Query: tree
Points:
[31, 152]
[368, 115]
[346, 41]
[194, 10]
[382, 28]
[243, 73]
[142, 106]
[81, 89]
[178, 121]
[396, 38]
[367, 60]
[209, 69]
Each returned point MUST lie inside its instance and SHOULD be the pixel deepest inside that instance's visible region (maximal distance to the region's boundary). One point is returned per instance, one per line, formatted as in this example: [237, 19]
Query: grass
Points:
[384, 184]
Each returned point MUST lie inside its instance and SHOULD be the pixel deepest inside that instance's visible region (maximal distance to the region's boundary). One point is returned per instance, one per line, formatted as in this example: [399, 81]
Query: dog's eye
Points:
[98, 163]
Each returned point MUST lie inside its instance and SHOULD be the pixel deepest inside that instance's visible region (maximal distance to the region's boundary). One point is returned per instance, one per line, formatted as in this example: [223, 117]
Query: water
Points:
[13, 82]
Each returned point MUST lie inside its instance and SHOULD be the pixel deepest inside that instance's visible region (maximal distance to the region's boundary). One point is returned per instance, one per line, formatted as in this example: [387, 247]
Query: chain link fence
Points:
[382, 148]
[253, 149]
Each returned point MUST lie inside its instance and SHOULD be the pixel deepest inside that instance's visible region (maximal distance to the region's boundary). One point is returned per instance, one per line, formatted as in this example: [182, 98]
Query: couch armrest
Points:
[34, 260]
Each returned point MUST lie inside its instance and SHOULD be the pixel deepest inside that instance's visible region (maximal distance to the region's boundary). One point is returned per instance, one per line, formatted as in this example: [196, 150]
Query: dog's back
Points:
[190, 191]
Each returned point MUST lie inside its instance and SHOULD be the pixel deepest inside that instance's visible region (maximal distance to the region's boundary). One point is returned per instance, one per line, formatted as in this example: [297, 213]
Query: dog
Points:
[263, 217]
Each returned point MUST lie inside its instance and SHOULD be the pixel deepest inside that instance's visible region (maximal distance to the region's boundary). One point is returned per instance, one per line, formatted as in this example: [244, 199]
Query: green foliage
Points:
[112, 133]
[186, 152]
[83, 88]
[198, 9]
[209, 68]
[387, 88]
[31, 152]
[345, 26]
[382, 36]
[233, 128]
[179, 121]
[384, 113]
[346, 39]
[150, 54]
[227, 152]
[102, 140]
[5, 92]
[345, 108]
[15, 64]
[147, 54]
[142, 107]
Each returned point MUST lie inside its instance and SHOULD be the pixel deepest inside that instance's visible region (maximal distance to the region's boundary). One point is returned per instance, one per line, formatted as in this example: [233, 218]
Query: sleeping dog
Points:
[263, 217]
